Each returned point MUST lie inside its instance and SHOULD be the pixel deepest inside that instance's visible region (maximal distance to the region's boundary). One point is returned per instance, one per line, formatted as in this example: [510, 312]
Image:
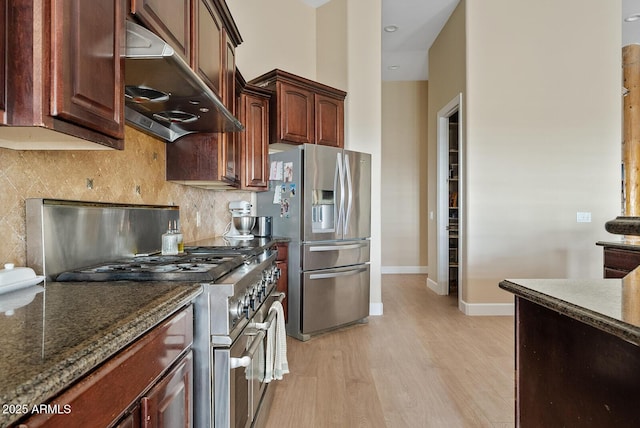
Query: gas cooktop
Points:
[196, 264]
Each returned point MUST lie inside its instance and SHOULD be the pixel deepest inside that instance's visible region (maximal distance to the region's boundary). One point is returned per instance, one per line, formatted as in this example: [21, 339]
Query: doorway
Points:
[450, 203]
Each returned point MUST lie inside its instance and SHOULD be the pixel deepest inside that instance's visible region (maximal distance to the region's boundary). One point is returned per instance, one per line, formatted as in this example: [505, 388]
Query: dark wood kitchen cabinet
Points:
[571, 373]
[171, 20]
[215, 39]
[64, 72]
[230, 156]
[168, 404]
[210, 42]
[210, 160]
[147, 384]
[303, 111]
[619, 260]
[202, 32]
[253, 103]
[283, 282]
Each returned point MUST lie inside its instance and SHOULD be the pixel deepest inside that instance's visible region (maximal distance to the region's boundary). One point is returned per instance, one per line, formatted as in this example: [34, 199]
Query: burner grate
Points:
[187, 267]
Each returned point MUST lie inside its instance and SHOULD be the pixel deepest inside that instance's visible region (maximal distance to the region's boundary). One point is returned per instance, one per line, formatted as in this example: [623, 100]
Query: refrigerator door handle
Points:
[349, 194]
[337, 274]
[339, 183]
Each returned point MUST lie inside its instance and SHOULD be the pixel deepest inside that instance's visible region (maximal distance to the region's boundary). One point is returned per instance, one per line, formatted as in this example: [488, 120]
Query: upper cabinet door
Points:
[303, 111]
[228, 81]
[171, 20]
[255, 148]
[295, 114]
[210, 47]
[88, 40]
[329, 121]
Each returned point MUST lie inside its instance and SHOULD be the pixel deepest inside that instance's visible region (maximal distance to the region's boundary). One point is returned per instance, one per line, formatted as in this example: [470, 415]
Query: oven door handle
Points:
[267, 323]
[247, 356]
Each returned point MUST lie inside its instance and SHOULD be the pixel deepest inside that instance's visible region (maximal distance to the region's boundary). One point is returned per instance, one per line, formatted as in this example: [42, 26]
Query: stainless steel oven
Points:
[81, 241]
[261, 394]
[232, 379]
[241, 369]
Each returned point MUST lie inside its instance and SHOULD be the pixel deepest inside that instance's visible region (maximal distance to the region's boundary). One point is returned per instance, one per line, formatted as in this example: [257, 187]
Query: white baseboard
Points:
[487, 309]
[435, 287]
[404, 269]
[375, 309]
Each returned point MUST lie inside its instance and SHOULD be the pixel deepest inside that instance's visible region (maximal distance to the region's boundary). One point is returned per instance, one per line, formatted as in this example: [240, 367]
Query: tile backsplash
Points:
[135, 175]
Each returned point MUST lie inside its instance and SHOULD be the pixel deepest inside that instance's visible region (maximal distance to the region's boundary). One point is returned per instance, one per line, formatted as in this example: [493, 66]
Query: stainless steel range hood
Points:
[163, 96]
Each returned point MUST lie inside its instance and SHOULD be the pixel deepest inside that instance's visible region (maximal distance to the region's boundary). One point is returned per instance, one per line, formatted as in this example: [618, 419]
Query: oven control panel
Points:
[243, 306]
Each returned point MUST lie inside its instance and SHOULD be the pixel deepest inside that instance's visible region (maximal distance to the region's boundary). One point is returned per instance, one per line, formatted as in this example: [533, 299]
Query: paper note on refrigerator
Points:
[276, 170]
[288, 172]
[277, 195]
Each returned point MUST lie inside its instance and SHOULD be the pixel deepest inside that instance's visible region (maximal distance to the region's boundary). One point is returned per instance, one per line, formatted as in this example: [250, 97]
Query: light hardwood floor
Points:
[421, 364]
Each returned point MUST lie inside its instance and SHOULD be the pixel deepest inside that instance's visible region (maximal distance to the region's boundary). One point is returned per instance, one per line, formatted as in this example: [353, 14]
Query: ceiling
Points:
[630, 30]
[405, 51]
[419, 22]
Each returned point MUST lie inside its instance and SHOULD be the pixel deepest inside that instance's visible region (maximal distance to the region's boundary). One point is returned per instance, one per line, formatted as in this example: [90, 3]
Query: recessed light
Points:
[391, 28]
[393, 67]
[632, 18]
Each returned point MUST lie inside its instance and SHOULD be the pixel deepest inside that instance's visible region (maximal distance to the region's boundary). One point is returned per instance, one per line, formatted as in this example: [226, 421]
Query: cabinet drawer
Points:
[344, 290]
[323, 255]
[103, 396]
[621, 259]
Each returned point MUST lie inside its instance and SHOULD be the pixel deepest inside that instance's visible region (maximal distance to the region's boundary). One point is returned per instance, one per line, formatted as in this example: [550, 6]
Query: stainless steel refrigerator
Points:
[320, 198]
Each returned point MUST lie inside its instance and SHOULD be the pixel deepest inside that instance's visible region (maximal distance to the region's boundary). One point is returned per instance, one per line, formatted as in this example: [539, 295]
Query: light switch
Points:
[583, 217]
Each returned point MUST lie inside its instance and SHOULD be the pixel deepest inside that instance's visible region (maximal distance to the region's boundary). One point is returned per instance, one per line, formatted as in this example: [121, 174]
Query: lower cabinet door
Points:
[169, 404]
[333, 297]
[131, 420]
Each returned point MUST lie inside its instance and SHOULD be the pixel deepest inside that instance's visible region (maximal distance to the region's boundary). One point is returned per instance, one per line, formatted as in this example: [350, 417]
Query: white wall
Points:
[447, 79]
[332, 53]
[404, 176]
[543, 139]
[276, 34]
[363, 114]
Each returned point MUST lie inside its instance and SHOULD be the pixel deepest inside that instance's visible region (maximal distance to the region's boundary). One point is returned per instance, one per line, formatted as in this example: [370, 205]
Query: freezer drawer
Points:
[334, 297]
[323, 255]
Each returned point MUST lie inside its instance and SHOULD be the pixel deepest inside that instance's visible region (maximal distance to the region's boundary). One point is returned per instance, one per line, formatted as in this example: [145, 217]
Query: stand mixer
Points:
[241, 220]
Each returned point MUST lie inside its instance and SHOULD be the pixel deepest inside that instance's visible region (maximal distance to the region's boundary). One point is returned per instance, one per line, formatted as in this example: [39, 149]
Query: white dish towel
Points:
[276, 355]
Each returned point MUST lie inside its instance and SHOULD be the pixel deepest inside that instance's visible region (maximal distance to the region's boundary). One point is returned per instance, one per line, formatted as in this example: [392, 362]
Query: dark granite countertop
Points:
[623, 244]
[611, 305]
[64, 330]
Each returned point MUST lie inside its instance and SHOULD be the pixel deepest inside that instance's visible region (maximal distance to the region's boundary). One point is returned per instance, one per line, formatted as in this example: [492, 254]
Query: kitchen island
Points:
[577, 351]
[53, 336]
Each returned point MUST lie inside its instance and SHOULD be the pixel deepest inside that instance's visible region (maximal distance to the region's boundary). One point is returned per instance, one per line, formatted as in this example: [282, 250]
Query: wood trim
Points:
[268, 80]
[228, 21]
[28, 82]
[631, 129]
